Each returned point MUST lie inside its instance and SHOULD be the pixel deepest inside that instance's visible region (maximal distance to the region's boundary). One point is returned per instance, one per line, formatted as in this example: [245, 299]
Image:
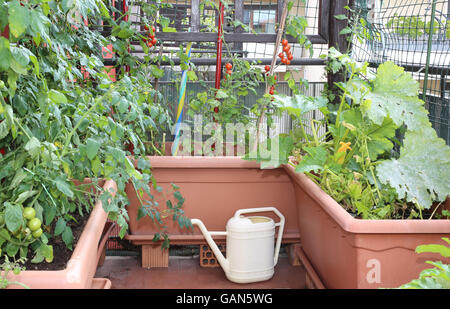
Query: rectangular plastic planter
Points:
[360, 254]
[81, 268]
[213, 189]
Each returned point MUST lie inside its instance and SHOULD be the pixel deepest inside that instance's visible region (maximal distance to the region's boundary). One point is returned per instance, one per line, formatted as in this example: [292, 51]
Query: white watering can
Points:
[251, 255]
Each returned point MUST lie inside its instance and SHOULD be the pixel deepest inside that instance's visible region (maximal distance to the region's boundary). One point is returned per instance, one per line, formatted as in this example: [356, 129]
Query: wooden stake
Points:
[274, 60]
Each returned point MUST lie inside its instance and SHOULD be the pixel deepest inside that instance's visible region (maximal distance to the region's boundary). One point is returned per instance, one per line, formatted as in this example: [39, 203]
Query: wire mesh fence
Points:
[415, 35]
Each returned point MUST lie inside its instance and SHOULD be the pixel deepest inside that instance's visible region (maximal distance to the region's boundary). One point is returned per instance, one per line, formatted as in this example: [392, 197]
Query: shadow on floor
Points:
[186, 273]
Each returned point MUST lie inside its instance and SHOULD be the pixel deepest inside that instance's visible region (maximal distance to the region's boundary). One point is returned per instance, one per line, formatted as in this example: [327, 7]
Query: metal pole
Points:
[430, 41]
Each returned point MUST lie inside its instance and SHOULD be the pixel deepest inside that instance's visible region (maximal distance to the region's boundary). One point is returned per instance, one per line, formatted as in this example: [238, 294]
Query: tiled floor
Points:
[126, 273]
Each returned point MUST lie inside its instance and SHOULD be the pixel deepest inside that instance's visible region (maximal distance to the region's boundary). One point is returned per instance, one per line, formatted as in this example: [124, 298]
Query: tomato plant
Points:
[63, 119]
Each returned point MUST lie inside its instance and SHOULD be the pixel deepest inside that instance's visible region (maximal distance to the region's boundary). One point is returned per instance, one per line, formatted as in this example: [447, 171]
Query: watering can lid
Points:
[250, 223]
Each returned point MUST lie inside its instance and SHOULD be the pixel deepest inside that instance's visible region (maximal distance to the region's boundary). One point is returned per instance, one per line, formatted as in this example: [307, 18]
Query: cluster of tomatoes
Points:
[272, 88]
[228, 66]
[286, 55]
[152, 37]
[33, 228]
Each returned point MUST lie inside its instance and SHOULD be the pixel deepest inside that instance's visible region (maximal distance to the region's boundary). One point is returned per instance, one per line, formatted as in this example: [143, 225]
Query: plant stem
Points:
[434, 211]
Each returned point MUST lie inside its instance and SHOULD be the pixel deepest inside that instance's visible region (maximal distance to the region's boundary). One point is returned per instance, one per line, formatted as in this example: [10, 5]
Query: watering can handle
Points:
[280, 224]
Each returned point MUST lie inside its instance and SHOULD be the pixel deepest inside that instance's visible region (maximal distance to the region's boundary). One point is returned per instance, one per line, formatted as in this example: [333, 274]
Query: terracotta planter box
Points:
[352, 253]
[213, 189]
[81, 268]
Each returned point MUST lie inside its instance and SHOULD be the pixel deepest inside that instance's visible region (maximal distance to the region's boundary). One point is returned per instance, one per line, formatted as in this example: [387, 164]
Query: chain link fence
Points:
[415, 35]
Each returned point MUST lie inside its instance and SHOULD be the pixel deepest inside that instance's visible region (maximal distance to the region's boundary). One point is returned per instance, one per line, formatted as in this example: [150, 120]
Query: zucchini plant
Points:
[355, 160]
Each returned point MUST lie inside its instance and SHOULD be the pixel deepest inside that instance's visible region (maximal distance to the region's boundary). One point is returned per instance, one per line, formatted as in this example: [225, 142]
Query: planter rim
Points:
[78, 272]
[362, 226]
[201, 162]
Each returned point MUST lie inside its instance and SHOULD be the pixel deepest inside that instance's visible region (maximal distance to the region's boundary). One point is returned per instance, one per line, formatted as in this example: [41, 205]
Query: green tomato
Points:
[29, 213]
[16, 271]
[34, 224]
[37, 233]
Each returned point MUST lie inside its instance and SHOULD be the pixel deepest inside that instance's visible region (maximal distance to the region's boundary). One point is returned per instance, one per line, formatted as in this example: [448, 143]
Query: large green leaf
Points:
[314, 162]
[395, 94]
[299, 104]
[13, 216]
[422, 173]
[18, 18]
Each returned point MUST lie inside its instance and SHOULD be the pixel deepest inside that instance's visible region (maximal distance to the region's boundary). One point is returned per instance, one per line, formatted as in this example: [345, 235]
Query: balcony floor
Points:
[186, 273]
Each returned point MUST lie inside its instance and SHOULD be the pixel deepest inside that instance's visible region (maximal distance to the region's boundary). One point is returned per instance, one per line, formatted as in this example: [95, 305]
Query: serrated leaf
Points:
[33, 146]
[422, 172]
[395, 94]
[67, 237]
[299, 104]
[60, 226]
[92, 147]
[13, 216]
[220, 94]
[63, 187]
[25, 195]
[4, 129]
[57, 97]
[43, 252]
[5, 54]
[12, 249]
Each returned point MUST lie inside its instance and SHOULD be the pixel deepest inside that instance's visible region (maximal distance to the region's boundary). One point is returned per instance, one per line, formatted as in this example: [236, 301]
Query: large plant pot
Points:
[81, 268]
[352, 253]
[213, 189]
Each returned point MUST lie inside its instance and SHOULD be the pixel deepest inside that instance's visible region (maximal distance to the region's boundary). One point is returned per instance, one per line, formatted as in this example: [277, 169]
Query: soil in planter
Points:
[61, 254]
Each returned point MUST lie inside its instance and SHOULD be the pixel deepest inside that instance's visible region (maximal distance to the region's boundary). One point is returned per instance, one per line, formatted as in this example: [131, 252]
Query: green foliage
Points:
[63, 119]
[354, 160]
[432, 278]
[411, 26]
[421, 173]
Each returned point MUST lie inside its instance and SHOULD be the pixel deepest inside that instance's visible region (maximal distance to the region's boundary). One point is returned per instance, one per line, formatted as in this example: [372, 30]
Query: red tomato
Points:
[287, 48]
[229, 66]
[216, 109]
[288, 62]
[281, 55]
[272, 90]
[284, 42]
[267, 68]
[290, 56]
[3, 151]
[154, 41]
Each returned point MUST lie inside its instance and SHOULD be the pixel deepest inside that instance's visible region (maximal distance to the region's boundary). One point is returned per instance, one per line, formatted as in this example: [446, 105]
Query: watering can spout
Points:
[224, 263]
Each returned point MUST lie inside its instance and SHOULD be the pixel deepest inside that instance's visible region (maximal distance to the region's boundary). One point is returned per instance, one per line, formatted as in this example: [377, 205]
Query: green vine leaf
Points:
[422, 173]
